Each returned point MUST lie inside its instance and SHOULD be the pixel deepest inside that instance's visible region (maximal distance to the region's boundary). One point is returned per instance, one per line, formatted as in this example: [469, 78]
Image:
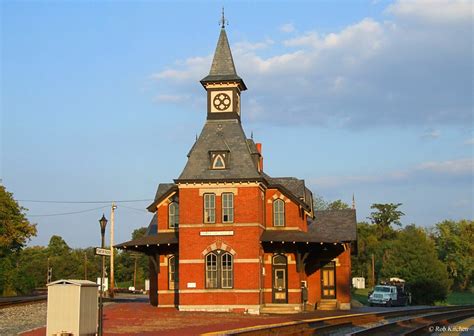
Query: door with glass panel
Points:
[280, 279]
[328, 281]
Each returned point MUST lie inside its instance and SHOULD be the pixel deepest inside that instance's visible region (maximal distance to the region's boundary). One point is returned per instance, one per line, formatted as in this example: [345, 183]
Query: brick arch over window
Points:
[218, 245]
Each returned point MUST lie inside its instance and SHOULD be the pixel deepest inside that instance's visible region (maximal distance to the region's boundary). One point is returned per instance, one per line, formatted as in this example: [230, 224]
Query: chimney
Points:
[259, 149]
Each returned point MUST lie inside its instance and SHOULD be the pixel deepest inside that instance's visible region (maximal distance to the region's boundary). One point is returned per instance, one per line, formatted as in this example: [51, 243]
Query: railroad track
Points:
[21, 300]
[412, 321]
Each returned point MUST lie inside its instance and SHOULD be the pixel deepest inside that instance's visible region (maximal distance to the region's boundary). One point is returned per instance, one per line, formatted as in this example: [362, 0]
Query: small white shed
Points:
[72, 307]
[358, 282]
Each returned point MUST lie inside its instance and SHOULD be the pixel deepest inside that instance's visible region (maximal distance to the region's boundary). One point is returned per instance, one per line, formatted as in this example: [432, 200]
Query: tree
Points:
[15, 231]
[455, 247]
[412, 256]
[337, 205]
[384, 216]
[319, 203]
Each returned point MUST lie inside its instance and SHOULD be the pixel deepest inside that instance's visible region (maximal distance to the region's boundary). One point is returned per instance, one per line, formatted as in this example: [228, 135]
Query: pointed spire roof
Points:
[223, 68]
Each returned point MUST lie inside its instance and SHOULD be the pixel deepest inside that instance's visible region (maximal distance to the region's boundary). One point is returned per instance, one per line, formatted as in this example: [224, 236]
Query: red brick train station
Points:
[225, 236]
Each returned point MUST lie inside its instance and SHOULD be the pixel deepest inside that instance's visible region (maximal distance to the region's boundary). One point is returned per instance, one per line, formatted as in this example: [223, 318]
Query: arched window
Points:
[172, 272]
[173, 215]
[219, 270]
[226, 270]
[278, 213]
[211, 270]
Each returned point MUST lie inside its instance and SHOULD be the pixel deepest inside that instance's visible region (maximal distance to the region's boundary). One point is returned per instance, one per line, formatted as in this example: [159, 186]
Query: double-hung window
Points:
[209, 208]
[227, 207]
[278, 213]
[172, 274]
[173, 215]
[219, 270]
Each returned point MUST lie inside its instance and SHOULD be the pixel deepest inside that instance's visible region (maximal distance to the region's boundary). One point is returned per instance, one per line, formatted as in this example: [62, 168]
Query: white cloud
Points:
[437, 11]
[167, 98]
[469, 141]
[431, 134]
[368, 74]
[287, 28]
[453, 167]
[438, 169]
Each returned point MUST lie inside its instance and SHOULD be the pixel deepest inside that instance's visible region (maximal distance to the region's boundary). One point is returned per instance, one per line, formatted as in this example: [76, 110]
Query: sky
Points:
[101, 101]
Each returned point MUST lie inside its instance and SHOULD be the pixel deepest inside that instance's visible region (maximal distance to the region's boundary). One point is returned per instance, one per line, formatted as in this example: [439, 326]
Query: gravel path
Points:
[17, 319]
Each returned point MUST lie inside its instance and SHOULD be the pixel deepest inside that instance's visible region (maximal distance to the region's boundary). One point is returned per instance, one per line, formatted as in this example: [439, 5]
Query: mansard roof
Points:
[164, 189]
[294, 186]
[328, 226]
[223, 68]
[220, 135]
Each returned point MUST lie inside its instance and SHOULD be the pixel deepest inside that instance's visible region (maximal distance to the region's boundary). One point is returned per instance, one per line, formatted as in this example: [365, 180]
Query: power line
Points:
[68, 213]
[86, 202]
[127, 207]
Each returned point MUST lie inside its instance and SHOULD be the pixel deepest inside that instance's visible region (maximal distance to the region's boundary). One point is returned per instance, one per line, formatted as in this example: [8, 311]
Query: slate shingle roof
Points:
[328, 226]
[218, 135]
[223, 68]
[163, 190]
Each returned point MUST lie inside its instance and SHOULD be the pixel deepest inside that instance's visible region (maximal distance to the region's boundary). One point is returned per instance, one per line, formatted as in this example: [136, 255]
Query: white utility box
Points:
[72, 308]
[358, 282]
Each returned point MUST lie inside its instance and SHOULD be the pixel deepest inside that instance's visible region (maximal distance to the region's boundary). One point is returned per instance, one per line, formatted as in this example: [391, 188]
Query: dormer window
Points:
[219, 160]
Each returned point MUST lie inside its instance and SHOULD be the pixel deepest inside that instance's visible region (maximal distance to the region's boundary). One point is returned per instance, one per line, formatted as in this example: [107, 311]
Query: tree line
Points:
[24, 269]
[432, 260]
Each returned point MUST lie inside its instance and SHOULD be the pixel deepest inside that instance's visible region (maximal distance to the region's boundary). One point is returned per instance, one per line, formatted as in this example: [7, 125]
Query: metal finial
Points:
[223, 21]
[353, 202]
[251, 135]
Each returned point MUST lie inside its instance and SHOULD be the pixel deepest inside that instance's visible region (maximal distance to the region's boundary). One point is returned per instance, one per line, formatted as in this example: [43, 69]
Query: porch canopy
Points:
[328, 226]
[151, 244]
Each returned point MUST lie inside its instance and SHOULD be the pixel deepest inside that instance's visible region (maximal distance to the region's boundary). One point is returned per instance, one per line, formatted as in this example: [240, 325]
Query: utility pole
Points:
[112, 221]
[135, 273]
[373, 270]
[85, 265]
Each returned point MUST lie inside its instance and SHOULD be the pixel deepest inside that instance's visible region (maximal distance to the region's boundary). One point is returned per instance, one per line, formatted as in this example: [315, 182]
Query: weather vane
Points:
[223, 20]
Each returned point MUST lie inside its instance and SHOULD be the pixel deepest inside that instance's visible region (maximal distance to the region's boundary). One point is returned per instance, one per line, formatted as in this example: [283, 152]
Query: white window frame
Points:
[227, 207]
[279, 214]
[173, 215]
[209, 208]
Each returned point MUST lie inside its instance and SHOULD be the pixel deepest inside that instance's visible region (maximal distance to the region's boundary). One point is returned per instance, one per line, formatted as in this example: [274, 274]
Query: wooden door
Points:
[328, 281]
[280, 279]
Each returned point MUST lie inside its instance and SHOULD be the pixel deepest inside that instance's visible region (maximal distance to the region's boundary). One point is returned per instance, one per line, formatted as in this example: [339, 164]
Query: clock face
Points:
[221, 101]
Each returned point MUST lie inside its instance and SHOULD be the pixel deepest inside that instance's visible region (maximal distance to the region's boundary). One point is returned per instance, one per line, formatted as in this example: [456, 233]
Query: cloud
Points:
[453, 167]
[167, 98]
[287, 28]
[431, 134]
[371, 73]
[439, 11]
[469, 141]
[425, 170]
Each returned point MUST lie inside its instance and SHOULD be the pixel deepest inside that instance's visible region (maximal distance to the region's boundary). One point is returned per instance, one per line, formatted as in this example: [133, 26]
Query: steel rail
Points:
[418, 325]
[328, 325]
[21, 300]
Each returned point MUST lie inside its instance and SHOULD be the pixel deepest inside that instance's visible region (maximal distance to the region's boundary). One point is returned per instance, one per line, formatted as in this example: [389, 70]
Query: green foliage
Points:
[455, 247]
[15, 231]
[125, 264]
[384, 216]
[337, 205]
[319, 203]
[412, 256]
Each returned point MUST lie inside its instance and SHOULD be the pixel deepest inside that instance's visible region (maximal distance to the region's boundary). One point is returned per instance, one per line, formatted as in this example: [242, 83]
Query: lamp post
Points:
[103, 224]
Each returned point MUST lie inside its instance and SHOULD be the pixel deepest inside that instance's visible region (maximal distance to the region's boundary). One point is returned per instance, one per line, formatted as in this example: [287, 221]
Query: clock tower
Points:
[223, 85]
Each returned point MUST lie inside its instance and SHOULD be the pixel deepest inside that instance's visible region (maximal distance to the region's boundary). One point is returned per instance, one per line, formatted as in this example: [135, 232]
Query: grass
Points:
[458, 298]
[454, 298]
[361, 295]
